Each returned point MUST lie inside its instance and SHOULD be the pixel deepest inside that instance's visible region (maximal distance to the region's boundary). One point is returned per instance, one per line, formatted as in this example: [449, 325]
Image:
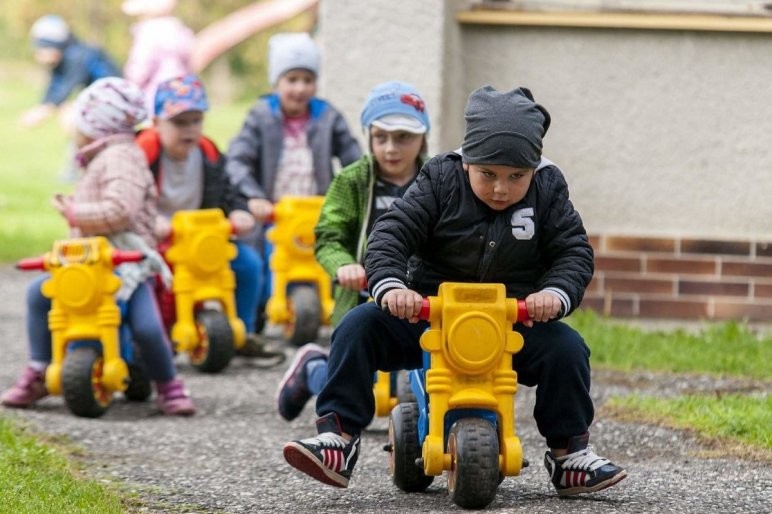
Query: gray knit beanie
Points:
[504, 128]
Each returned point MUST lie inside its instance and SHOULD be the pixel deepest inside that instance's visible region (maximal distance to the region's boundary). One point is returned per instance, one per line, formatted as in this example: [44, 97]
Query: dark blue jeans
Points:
[554, 358]
[142, 315]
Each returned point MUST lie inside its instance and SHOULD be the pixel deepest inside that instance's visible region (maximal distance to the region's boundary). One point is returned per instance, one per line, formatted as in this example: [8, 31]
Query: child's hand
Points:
[162, 228]
[403, 303]
[61, 203]
[36, 115]
[542, 306]
[242, 221]
[260, 208]
[352, 276]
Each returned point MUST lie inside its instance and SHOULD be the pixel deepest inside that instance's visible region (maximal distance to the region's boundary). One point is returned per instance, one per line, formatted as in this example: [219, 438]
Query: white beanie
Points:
[291, 51]
[50, 30]
[108, 106]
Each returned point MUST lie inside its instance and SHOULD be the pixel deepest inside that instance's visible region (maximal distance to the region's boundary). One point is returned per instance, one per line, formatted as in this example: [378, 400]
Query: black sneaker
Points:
[582, 472]
[328, 457]
[293, 393]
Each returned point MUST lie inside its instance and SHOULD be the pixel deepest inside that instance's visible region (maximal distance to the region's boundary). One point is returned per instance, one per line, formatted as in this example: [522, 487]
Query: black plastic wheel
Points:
[404, 392]
[473, 445]
[403, 443]
[140, 387]
[215, 347]
[81, 383]
[305, 316]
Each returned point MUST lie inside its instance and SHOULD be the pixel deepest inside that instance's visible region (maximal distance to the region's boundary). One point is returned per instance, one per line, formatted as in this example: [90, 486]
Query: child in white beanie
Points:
[116, 198]
[290, 137]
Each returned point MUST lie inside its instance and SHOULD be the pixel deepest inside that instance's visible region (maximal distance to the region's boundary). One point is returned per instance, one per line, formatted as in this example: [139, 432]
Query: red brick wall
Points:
[681, 278]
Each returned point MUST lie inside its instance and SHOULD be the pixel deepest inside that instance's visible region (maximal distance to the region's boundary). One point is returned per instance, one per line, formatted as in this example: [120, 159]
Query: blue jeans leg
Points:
[248, 268]
[38, 334]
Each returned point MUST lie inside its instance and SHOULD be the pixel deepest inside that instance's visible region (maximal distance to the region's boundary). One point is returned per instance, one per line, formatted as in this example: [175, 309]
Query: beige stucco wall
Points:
[658, 132]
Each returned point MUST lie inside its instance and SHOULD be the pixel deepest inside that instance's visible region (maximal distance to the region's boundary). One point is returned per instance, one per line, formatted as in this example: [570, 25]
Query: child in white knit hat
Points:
[290, 137]
[116, 198]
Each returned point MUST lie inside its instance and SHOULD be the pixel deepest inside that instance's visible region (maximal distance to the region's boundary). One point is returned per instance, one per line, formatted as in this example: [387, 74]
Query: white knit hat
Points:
[50, 30]
[108, 106]
[291, 51]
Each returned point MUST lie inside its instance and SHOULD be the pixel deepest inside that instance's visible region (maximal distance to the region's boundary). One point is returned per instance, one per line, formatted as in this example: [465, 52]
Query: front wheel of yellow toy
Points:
[305, 313]
[215, 341]
[473, 478]
[84, 393]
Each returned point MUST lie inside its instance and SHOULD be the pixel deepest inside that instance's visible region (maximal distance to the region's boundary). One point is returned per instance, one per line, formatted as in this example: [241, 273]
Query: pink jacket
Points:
[116, 193]
[160, 50]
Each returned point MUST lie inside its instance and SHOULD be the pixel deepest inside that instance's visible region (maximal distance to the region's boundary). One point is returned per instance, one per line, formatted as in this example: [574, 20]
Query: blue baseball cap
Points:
[395, 106]
[178, 95]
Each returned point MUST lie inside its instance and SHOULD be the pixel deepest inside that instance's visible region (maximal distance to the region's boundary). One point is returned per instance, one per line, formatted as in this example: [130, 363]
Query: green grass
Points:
[31, 163]
[737, 417]
[33, 158]
[729, 348]
[35, 477]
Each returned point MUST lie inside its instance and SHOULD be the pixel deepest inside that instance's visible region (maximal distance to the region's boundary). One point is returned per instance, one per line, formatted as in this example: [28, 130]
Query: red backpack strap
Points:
[209, 149]
[149, 142]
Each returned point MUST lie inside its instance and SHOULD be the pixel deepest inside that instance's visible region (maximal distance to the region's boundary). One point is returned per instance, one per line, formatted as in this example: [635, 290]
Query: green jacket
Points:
[341, 233]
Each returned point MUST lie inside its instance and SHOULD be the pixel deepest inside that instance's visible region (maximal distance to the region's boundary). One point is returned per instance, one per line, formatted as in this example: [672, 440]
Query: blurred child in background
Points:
[72, 64]
[161, 45]
[396, 124]
[115, 197]
[290, 137]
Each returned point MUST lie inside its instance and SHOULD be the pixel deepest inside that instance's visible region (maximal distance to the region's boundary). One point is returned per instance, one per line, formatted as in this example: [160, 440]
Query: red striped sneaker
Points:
[328, 457]
[582, 472]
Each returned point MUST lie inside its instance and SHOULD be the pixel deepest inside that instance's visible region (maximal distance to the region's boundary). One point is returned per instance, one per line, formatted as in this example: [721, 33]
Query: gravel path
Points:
[227, 459]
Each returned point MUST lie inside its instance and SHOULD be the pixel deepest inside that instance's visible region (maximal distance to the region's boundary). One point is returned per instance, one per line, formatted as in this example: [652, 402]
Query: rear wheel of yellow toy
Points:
[215, 342]
[82, 386]
[404, 390]
[473, 445]
[405, 449]
[305, 316]
[139, 388]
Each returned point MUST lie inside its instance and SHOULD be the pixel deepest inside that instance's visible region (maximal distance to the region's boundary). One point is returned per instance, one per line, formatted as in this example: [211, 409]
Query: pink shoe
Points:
[29, 388]
[173, 400]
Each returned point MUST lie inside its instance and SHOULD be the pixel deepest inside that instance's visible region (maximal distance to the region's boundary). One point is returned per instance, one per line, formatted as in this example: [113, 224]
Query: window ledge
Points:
[617, 20]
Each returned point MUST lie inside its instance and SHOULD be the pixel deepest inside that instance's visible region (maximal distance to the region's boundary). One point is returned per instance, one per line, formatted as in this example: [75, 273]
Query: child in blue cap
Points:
[495, 211]
[396, 124]
[189, 172]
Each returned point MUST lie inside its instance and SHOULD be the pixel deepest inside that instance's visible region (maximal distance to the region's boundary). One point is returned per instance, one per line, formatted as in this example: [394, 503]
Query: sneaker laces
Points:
[329, 440]
[584, 459]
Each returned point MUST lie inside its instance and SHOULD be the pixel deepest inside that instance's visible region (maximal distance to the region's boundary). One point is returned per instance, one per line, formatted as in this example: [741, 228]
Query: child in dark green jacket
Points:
[395, 122]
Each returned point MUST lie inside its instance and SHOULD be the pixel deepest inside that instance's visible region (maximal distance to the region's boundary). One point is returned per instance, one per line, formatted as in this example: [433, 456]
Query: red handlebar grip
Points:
[522, 311]
[31, 263]
[121, 256]
[425, 310]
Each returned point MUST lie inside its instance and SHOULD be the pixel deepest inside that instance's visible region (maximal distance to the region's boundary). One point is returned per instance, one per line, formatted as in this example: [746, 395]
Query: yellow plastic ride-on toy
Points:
[464, 418]
[90, 359]
[301, 292]
[204, 323]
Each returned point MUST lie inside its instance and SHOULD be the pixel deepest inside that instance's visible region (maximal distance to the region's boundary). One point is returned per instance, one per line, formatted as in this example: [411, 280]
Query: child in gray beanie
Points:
[495, 212]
